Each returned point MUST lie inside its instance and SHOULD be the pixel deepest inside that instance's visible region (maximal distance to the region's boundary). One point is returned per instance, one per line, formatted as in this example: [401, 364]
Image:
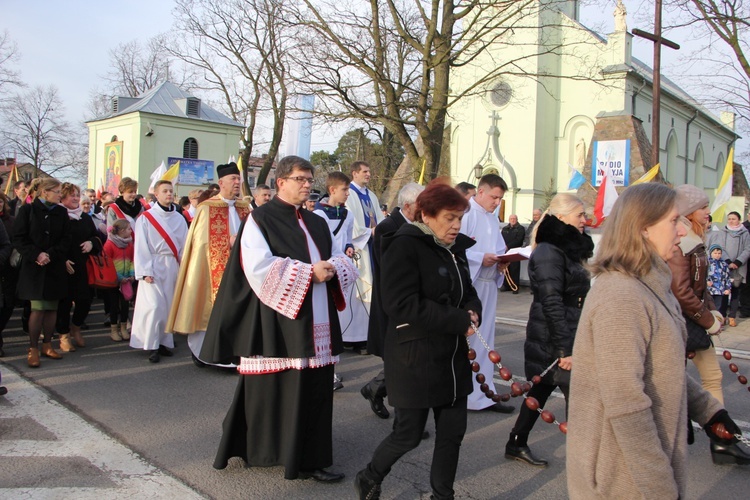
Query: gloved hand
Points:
[722, 416]
[716, 327]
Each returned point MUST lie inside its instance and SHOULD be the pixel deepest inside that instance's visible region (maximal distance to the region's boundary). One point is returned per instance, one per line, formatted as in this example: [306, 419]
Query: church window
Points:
[190, 148]
[501, 94]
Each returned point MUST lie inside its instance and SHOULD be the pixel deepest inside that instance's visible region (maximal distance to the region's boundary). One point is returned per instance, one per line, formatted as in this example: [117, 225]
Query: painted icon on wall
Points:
[113, 172]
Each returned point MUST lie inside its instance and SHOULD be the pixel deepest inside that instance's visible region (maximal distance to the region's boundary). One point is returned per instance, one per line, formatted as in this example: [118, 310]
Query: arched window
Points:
[675, 172]
[700, 172]
[190, 148]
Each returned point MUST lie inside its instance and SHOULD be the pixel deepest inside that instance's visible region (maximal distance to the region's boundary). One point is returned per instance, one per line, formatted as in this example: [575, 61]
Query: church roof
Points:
[168, 99]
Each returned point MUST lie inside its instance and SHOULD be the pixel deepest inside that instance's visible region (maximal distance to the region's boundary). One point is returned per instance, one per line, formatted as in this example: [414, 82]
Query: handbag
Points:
[126, 289]
[101, 271]
[697, 337]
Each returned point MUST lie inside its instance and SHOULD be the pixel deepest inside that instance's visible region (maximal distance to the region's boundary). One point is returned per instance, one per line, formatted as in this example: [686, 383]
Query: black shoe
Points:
[154, 358]
[106, 323]
[197, 362]
[322, 475]
[425, 435]
[164, 351]
[515, 292]
[376, 402]
[523, 454]
[500, 408]
[3, 390]
[365, 488]
[723, 454]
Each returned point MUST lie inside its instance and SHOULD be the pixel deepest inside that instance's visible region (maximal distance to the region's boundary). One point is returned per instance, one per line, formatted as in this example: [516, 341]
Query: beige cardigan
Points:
[630, 395]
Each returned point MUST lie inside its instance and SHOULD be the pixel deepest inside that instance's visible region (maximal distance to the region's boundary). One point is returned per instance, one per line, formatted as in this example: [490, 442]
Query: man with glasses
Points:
[365, 208]
[275, 315]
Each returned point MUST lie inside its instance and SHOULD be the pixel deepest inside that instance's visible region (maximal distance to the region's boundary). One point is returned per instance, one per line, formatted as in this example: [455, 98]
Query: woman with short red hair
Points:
[431, 307]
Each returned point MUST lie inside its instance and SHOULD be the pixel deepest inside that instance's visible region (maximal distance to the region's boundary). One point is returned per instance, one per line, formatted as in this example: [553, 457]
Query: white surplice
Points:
[154, 258]
[484, 228]
[355, 320]
[267, 273]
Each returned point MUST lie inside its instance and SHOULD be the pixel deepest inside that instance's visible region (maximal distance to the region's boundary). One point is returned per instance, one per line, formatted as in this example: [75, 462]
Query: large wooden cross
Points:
[656, 105]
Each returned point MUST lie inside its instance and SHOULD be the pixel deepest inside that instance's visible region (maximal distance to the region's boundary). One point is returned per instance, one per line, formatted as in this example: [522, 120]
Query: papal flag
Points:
[157, 175]
[172, 174]
[648, 176]
[724, 191]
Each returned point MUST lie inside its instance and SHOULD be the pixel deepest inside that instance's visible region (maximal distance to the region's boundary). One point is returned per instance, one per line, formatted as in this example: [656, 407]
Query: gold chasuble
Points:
[203, 262]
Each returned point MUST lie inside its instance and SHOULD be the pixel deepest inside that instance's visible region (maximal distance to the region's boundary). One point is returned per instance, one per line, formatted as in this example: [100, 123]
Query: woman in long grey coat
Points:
[734, 240]
[630, 396]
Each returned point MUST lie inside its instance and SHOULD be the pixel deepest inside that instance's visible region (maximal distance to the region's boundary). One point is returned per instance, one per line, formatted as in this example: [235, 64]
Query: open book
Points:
[516, 254]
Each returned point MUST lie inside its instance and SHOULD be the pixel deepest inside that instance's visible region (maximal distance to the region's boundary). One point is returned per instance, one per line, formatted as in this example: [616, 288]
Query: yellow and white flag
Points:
[648, 176]
[172, 174]
[724, 191]
[242, 177]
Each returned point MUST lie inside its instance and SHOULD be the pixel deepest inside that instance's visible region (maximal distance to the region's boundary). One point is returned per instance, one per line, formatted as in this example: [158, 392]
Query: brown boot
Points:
[49, 352]
[114, 332]
[65, 344]
[33, 358]
[75, 332]
[124, 333]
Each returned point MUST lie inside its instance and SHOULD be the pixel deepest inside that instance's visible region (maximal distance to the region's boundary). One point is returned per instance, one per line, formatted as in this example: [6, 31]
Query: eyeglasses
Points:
[301, 180]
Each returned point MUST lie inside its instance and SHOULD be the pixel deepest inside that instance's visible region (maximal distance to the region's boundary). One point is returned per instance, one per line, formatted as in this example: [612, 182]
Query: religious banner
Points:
[113, 171]
[193, 172]
[611, 158]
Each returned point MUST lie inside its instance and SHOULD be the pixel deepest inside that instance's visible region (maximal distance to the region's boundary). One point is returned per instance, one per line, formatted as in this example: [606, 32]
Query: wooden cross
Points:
[656, 105]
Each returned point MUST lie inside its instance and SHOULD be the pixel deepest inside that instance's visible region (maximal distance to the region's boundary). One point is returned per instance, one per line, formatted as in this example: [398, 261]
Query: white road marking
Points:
[133, 475]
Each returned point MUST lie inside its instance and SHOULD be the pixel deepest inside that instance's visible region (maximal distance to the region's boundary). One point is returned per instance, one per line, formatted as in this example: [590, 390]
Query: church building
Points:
[582, 100]
[164, 124]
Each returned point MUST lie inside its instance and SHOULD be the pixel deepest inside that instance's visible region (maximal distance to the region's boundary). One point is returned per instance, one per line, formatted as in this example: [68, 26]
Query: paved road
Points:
[169, 415]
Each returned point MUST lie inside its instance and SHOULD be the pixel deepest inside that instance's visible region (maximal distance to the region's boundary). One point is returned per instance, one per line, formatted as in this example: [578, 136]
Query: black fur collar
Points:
[578, 247]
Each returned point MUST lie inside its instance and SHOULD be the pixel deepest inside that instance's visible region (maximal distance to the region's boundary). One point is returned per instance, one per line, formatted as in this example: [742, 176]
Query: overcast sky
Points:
[66, 42]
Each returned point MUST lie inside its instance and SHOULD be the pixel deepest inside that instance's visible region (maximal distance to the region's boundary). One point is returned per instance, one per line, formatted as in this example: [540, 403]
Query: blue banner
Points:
[193, 172]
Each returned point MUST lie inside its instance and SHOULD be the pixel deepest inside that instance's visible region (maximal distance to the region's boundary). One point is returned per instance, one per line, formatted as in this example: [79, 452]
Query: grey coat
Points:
[736, 246]
[630, 395]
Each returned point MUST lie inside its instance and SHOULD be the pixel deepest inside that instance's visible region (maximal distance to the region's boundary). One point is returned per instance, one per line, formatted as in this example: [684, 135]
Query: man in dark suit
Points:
[513, 234]
[20, 191]
[374, 391]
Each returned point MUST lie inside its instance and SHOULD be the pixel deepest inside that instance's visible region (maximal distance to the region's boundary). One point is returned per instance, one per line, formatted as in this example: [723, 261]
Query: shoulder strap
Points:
[163, 234]
[118, 212]
[338, 228]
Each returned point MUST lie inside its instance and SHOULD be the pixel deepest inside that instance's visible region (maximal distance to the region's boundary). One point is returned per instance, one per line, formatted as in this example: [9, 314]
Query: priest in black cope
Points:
[275, 316]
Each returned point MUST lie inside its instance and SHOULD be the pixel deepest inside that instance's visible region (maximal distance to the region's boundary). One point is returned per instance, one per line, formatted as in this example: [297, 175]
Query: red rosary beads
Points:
[516, 388]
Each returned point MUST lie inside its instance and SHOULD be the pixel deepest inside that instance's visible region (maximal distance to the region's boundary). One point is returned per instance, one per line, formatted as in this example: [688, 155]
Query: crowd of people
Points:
[277, 286]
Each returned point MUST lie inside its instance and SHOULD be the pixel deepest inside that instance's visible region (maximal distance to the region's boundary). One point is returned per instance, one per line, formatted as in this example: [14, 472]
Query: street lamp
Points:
[478, 169]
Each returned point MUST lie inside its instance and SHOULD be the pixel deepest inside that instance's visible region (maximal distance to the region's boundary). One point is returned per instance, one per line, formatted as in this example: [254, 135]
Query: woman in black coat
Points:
[431, 306]
[559, 283]
[8, 274]
[41, 234]
[84, 240]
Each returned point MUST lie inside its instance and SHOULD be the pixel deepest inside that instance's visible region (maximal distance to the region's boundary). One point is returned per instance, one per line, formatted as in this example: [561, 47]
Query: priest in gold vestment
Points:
[212, 234]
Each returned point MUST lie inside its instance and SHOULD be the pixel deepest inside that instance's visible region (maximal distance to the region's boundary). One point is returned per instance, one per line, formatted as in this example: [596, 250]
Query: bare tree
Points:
[240, 47]
[136, 67]
[36, 129]
[8, 56]
[720, 67]
[390, 61]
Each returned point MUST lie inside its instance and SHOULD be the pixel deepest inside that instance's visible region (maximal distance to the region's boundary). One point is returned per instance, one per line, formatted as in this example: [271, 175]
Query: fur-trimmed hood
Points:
[575, 245]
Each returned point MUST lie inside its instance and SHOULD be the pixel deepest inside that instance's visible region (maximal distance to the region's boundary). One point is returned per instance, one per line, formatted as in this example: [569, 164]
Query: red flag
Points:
[605, 200]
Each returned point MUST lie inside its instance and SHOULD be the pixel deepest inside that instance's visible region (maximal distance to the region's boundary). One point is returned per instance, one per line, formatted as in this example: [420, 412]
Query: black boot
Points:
[366, 488]
[723, 454]
[516, 449]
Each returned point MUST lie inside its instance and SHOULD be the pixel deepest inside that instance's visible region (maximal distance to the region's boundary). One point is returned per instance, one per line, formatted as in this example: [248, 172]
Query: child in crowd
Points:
[718, 279]
[341, 224]
[119, 248]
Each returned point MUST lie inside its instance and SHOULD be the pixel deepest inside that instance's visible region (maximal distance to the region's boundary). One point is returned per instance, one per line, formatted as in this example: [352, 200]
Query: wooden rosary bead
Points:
[494, 357]
[548, 416]
[532, 404]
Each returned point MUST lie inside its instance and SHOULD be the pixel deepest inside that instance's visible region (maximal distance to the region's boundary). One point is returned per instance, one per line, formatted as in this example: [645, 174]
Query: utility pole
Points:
[656, 105]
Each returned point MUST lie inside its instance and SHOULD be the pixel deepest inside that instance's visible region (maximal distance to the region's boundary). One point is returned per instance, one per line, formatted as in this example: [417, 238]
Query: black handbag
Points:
[697, 337]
